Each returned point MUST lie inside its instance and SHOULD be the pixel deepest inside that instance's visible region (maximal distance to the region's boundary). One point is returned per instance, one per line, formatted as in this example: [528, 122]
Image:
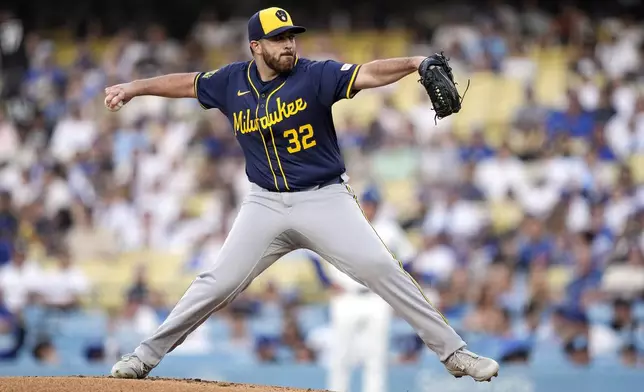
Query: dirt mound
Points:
[108, 384]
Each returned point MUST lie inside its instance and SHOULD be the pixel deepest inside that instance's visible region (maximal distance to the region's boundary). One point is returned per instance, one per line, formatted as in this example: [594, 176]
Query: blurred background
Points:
[526, 210]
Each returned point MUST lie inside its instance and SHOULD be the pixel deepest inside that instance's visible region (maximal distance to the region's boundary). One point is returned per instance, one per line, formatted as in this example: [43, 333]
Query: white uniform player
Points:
[360, 319]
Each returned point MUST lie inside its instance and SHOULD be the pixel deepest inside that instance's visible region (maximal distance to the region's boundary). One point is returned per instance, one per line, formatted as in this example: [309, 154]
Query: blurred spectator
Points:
[598, 143]
[629, 356]
[85, 240]
[622, 46]
[531, 115]
[623, 321]
[304, 354]
[240, 338]
[9, 140]
[494, 47]
[437, 262]
[410, 349]
[477, 150]
[140, 289]
[577, 351]
[45, 353]
[292, 337]
[583, 289]
[484, 316]
[67, 285]
[20, 279]
[118, 216]
[12, 332]
[73, 133]
[500, 174]
[95, 354]
[8, 227]
[266, 349]
[515, 353]
[534, 243]
[574, 121]
[136, 321]
[390, 118]
[454, 216]
[582, 337]
[13, 54]
[532, 323]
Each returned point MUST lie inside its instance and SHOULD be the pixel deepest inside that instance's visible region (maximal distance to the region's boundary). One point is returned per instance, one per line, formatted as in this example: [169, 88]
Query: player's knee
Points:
[221, 289]
[379, 264]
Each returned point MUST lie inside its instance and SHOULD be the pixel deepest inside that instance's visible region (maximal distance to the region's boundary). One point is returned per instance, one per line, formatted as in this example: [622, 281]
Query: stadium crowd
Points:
[535, 243]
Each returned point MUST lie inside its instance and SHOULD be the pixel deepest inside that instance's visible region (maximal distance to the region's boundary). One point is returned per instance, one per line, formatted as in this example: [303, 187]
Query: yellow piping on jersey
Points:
[392, 255]
[273, 138]
[353, 79]
[268, 158]
[194, 88]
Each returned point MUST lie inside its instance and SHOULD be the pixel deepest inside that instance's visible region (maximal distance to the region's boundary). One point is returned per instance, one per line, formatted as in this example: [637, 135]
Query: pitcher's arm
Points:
[177, 85]
[380, 73]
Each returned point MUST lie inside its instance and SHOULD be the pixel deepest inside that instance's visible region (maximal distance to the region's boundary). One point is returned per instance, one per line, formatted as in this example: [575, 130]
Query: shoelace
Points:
[142, 366]
[464, 359]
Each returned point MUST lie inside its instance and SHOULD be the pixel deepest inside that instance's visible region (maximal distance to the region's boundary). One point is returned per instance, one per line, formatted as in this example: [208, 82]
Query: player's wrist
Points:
[416, 61]
[135, 88]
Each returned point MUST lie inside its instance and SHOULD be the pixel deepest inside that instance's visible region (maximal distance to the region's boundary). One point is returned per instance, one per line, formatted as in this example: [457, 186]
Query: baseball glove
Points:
[437, 79]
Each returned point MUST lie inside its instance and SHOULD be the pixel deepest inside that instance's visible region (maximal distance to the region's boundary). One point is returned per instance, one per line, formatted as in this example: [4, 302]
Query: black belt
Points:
[333, 181]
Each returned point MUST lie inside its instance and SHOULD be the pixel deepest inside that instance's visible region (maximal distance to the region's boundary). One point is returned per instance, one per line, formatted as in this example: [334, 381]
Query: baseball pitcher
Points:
[280, 108]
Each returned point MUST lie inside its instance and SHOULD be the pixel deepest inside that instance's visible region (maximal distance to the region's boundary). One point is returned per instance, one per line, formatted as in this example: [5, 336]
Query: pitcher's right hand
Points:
[118, 95]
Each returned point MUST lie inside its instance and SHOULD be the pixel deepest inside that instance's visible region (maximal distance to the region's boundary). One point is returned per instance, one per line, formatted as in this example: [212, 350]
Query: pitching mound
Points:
[106, 384]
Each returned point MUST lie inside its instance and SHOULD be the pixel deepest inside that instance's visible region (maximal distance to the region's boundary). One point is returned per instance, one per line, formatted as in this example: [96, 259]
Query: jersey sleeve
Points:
[211, 88]
[335, 80]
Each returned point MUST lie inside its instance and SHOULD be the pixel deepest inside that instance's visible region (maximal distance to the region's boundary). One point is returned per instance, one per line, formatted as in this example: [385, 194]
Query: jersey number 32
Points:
[300, 139]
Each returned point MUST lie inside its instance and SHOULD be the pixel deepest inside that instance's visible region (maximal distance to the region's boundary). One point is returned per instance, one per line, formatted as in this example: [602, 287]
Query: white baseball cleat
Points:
[130, 366]
[465, 363]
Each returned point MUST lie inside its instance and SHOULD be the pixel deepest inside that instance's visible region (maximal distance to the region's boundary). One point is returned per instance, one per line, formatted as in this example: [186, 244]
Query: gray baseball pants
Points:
[327, 221]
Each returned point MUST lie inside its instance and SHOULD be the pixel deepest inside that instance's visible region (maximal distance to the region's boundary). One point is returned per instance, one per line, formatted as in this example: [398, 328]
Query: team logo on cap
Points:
[281, 15]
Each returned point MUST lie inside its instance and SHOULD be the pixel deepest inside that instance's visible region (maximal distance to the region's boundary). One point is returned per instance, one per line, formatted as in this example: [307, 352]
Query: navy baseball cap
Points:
[271, 22]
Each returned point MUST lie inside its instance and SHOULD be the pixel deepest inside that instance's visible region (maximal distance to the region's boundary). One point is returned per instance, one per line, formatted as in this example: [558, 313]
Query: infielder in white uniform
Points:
[360, 319]
[279, 106]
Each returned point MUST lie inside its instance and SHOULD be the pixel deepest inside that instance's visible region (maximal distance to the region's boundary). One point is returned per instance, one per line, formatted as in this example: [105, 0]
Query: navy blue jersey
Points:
[284, 127]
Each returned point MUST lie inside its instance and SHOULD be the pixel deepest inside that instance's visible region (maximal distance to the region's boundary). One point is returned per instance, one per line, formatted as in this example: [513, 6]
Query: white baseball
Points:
[116, 108]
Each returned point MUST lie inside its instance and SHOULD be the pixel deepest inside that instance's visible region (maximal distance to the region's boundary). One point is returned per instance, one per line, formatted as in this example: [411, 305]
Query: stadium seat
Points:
[266, 326]
[362, 111]
[66, 52]
[505, 215]
[636, 164]
[550, 85]
[292, 273]
[482, 91]
[506, 104]
[218, 328]
[546, 353]
[89, 324]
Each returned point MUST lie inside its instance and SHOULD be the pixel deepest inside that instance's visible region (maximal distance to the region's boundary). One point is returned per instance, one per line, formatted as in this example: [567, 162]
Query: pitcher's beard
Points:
[281, 63]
